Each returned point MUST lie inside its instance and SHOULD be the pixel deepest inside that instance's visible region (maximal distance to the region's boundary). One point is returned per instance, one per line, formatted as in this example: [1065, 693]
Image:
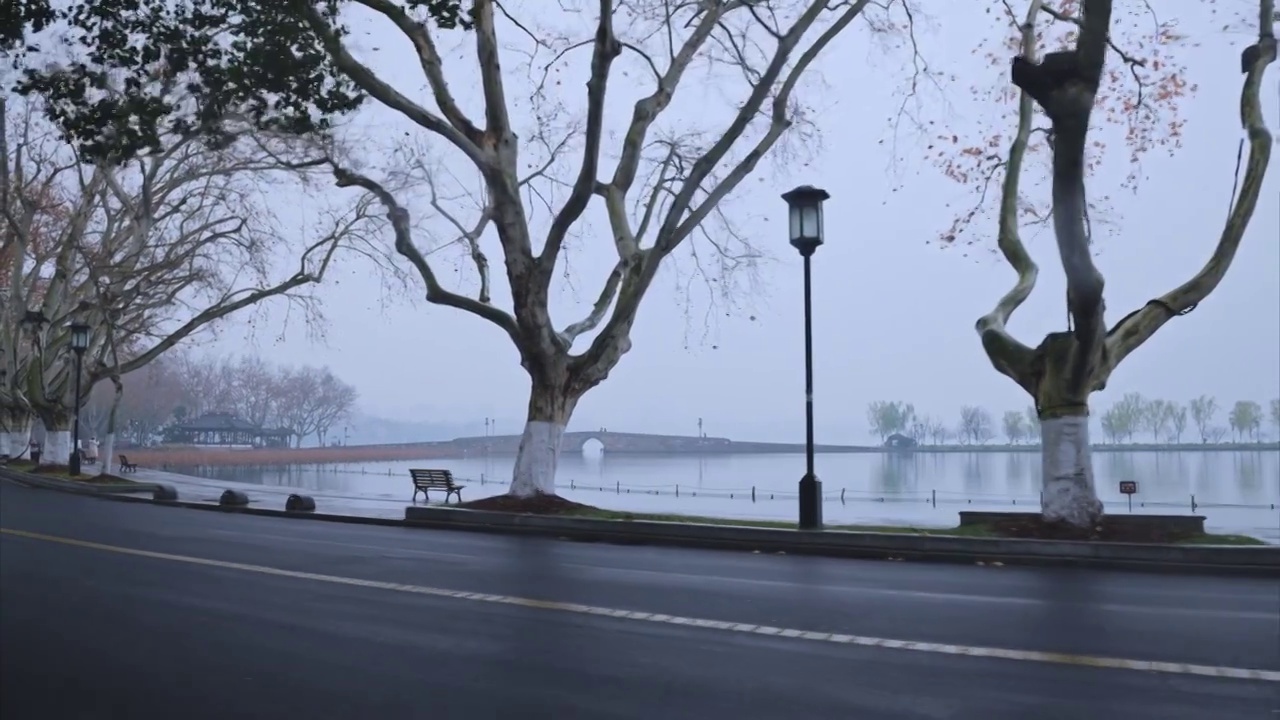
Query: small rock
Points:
[979, 563]
[997, 564]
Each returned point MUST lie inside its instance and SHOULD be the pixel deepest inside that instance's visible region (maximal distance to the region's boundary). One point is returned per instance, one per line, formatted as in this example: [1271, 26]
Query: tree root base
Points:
[540, 504]
[1105, 530]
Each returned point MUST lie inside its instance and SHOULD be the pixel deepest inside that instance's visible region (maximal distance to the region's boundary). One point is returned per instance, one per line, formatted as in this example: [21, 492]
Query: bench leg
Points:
[455, 492]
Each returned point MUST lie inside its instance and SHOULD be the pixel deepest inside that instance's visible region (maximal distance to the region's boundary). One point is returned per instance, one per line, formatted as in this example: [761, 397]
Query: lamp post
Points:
[79, 343]
[804, 210]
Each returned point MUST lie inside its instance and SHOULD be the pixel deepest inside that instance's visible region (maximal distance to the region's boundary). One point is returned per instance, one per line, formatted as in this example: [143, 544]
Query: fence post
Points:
[753, 493]
[933, 497]
[571, 484]
[677, 490]
[617, 487]
[841, 496]
[1193, 503]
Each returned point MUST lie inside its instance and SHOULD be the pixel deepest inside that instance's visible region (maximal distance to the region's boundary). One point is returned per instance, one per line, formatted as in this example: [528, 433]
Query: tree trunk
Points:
[551, 403]
[107, 451]
[57, 436]
[15, 431]
[1067, 493]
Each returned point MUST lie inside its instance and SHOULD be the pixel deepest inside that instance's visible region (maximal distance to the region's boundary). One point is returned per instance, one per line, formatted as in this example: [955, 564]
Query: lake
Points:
[1237, 491]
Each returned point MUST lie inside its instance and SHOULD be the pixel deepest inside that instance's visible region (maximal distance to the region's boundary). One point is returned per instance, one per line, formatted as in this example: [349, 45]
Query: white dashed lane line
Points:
[836, 638]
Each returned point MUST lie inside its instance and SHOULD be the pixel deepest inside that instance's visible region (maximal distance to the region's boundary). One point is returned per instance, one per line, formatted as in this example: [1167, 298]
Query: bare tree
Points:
[1015, 426]
[671, 170]
[1203, 411]
[1177, 422]
[146, 252]
[976, 425]
[1067, 367]
[335, 401]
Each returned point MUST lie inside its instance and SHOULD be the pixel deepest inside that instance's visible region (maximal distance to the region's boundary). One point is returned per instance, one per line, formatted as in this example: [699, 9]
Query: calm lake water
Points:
[1236, 491]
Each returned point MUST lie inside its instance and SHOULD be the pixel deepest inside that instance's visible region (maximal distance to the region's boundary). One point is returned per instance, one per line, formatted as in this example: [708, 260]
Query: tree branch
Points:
[432, 67]
[1138, 327]
[436, 293]
[369, 82]
[1009, 356]
[1065, 84]
[606, 48]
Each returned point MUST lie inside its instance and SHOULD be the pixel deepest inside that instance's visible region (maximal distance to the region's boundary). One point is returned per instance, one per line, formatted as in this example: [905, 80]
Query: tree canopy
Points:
[235, 60]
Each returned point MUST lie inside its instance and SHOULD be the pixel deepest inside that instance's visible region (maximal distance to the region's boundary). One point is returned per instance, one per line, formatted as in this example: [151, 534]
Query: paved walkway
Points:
[204, 490]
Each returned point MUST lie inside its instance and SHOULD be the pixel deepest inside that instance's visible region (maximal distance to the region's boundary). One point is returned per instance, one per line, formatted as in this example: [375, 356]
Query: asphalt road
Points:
[251, 617]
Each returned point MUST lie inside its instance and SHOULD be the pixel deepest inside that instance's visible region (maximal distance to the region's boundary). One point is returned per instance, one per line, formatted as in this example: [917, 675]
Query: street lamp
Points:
[79, 343]
[804, 210]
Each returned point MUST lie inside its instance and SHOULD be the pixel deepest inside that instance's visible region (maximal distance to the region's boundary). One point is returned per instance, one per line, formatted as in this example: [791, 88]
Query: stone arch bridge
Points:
[613, 442]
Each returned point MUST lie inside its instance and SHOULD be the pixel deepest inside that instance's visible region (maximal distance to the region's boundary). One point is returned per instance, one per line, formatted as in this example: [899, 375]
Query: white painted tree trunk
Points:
[107, 454]
[537, 459]
[18, 440]
[550, 407]
[1068, 494]
[57, 448]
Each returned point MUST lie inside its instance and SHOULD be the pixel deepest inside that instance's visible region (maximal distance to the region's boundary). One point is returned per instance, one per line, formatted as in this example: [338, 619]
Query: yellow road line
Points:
[837, 638]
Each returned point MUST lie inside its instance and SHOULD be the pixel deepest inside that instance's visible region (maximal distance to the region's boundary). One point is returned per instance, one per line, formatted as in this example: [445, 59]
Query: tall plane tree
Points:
[292, 65]
[1066, 367]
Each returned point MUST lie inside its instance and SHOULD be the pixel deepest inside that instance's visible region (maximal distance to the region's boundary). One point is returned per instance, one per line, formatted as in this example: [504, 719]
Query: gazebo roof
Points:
[218, 421]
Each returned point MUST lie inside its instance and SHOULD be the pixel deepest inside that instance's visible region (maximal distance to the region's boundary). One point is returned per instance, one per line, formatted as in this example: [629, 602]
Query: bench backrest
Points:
[124, 460]
[441, 478]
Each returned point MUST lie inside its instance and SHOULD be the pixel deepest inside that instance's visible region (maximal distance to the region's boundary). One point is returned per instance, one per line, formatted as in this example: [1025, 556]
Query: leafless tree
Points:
[672, 168]
[1066, 367]
[147, 252]
[976, 425]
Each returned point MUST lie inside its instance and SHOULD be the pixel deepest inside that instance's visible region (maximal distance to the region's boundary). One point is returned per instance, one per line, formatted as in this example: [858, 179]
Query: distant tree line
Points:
[1135, 416]
[308, 401]
[1131, 419]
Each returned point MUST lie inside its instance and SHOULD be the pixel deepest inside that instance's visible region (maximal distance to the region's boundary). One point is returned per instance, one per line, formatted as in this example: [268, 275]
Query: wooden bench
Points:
[126, 466]
[425, 480]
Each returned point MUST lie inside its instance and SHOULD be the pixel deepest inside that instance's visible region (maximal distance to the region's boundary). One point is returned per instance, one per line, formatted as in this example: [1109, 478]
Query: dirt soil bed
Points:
[88, 474]
[536, 505]
[1105, 531]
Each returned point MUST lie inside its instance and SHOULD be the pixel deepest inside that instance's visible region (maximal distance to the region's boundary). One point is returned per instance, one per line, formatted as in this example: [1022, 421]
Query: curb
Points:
[1197, 559]
[1185, 559]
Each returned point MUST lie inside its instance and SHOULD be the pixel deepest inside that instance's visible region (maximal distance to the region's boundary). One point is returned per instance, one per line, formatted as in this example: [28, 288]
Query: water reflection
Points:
[1017, 472]
[893, 472]
[973, 471]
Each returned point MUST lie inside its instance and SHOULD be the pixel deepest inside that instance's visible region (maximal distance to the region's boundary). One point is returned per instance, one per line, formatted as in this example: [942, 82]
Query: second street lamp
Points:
[79, 343]
[804, 210]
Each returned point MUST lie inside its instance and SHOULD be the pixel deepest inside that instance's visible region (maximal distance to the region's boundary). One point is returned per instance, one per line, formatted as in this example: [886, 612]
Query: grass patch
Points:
[602, 514]
[1208, 539]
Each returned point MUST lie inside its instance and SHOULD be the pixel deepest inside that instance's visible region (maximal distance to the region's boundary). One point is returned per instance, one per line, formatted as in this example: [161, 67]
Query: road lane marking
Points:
[948, 597]
[750, 629]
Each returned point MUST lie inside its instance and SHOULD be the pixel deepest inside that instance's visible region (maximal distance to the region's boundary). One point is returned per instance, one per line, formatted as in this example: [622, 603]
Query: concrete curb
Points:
[1186, 559]
[1211, 559]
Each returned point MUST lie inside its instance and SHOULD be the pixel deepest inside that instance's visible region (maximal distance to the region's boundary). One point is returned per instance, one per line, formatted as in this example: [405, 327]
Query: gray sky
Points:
[893, 314]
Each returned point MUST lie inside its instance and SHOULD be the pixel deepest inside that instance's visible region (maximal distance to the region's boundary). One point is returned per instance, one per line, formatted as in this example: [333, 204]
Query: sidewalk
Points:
[202, 490]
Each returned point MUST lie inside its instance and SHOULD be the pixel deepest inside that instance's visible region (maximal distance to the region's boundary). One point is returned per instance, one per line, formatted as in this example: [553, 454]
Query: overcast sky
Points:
[894, 313]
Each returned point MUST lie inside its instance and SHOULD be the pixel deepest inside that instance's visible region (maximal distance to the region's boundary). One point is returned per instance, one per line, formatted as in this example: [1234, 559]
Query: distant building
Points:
[222, 429]
[898, 441]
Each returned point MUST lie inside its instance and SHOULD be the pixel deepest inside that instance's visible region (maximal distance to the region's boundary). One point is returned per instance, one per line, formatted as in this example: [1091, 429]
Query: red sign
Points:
[1128, 487]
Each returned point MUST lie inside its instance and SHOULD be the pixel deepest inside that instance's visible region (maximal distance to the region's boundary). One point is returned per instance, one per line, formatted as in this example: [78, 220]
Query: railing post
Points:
[933, 497]
[841, 496]
[753, 493]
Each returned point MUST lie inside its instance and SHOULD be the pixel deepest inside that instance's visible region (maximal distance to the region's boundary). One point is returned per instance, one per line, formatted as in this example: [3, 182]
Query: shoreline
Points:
[263, 457]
